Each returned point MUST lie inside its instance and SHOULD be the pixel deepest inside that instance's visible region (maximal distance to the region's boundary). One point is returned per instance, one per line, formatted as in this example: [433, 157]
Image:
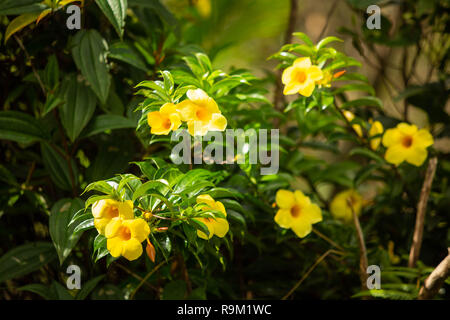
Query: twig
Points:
[324, 237]
[146, 277]
[319, 260]
[363, 262]
[436, 279]
[41, 84]
[421, 210]
[134, 275]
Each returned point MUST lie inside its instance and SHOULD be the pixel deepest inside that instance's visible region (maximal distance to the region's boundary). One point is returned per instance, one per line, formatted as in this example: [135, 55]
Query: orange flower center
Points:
[295, 211]
[125, 233]
[300, 76]
[407, 141]
[112, 212]
[167, 123]
[202, 114]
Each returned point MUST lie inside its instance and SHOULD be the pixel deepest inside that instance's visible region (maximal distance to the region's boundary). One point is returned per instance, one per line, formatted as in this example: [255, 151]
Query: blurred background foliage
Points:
[63, 126]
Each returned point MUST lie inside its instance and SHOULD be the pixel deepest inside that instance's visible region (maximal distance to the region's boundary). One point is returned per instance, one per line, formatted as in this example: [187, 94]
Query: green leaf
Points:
[367, 153]
[115, 11]
[19, 23]
[100, 247]
[363, 102]
[14, 7]
[85, 225]
[78, 108]
[62, 236]
[39, 289]
[88, 287]
[304, 38]
[58, 167]
[89, 51]
[106, 122]
[326, 41]
[124, 52]
[21, 127]
[51, 73]
[156, 186]
[25, 259]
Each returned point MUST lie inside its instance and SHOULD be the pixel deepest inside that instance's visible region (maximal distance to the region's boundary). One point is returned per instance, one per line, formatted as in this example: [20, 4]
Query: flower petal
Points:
[210, 227]
[167, 109]
[198, 96]
[307, 89]
[407, 129]
[221, 227]
[126, 210]
[283, 218]
[396, 154]
[303, 62]
[314, 213]
[315, 73]
[139, 229]
[422, 138]
[206, 198]
[392, 137]
[186, 109]
[154, 119]
[416, 156]
[218, 122]
[112, 229]
[301, 227]
[285, 199]
[132, 249]
[115, 246]
[291, 88]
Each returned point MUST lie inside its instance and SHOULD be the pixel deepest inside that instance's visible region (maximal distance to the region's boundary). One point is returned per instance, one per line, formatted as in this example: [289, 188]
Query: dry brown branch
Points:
[421, 210]
[436, 279]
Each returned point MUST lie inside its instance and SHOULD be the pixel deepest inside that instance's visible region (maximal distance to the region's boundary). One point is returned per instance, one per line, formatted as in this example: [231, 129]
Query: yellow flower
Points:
[407, 143]
[296, 212]
[219, 226]
[107, 209]
[163, 121]
[344, 203]
[124, 237]
[301, 77]
[201, 113]
[375, 129]
[203, 7]
[350, 116]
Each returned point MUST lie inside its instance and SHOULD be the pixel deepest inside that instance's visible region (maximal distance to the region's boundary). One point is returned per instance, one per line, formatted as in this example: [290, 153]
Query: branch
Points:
[436, 279]
[319, 260]
[363, 262]
[421, 210]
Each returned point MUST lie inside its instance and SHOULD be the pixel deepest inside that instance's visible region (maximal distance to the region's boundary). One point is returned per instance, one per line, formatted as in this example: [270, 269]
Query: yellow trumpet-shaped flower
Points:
[344, 203]
[296, 212]
[350, 116]
[219, 226]
[201, 113]
[107, 209]
[301, 77]
[375, 129]
[406, 143]
[124, 237]
[163, 121]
